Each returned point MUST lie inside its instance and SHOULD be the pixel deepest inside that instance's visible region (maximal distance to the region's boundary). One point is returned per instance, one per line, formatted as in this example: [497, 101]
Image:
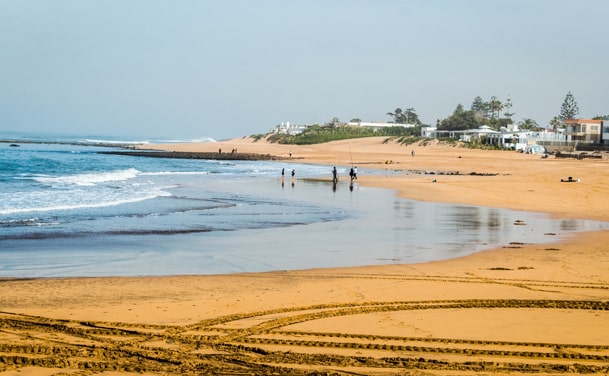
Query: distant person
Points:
[412, 153]
[219, 151]
[334, 174]
[352, 173]
[355, 172]
[290, 153]
[293, 175]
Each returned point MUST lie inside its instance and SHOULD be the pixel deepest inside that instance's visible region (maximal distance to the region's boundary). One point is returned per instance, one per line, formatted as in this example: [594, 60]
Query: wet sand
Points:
[524, 308]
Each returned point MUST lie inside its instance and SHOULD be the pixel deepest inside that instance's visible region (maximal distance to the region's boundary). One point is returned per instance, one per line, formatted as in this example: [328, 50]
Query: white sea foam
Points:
[82, 201]
[82, 191]
[178, 141]
[89, 178]
[169, 173]
[114, 142]
[147, 142]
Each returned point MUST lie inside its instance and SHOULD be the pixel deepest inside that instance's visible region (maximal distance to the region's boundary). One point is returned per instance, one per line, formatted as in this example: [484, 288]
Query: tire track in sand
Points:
[262, 342]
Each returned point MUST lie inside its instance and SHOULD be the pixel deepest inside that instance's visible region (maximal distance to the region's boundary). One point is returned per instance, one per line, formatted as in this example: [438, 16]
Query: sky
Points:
[193, 69]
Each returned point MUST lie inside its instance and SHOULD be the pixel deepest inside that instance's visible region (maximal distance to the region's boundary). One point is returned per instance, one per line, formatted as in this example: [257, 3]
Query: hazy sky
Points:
[226, 68]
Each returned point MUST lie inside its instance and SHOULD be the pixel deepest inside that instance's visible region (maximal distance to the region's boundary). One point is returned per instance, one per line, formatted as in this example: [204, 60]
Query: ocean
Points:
[66, 209]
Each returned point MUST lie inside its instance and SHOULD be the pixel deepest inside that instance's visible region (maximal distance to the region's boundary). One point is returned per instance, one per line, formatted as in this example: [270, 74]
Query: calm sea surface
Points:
[67, 210]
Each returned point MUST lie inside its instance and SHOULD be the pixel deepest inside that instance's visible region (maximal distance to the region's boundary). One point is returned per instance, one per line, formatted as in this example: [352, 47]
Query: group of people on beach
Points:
[283, 176]
[352, 174]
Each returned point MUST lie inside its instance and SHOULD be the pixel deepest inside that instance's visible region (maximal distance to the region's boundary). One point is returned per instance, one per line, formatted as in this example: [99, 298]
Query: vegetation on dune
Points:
[405, 125]
[405, 136]
[480, 113]
[318, 134]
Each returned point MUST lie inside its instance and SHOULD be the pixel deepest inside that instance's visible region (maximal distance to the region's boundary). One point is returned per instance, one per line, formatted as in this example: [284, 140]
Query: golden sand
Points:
[524, 309]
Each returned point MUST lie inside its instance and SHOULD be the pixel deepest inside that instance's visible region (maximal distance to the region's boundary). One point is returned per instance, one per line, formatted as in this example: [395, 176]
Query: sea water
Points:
[72, 210]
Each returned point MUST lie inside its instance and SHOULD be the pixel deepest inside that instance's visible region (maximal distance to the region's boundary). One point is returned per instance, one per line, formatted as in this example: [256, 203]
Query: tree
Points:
[555, 123]
[601, 117]
[397, 114]
[407, 116]
[478, 104]
[495, 106]
[459, 120]
[508, 115]
[529, 124]
[411, 116]
[480, 107]
[569, 108]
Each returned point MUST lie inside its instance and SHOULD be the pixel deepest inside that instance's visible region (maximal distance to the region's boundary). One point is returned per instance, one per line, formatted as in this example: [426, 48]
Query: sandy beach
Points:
[520, 309]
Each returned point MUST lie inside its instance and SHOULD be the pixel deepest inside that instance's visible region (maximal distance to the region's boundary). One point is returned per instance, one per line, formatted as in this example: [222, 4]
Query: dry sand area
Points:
[521, 309]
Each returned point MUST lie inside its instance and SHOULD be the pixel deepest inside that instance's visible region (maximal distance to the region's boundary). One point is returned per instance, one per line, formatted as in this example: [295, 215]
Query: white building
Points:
[510, 139]
[290, 129]
[376, 126]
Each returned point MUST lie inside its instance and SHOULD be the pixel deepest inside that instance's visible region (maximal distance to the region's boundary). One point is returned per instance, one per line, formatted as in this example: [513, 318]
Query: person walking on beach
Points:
[334, 175]
[282, 176]
[293, 175]
[355, 172]
[351, 173]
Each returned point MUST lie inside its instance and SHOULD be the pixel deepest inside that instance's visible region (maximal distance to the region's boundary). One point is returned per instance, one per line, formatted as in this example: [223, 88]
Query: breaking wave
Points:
[88, 179]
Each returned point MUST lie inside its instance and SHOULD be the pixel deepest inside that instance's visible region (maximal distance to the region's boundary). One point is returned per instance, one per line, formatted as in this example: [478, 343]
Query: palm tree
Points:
[555, 123]
[529, 124]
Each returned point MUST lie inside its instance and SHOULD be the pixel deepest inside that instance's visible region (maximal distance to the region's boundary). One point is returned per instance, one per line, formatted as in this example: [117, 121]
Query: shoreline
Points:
[464, 176]
[525, 308]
